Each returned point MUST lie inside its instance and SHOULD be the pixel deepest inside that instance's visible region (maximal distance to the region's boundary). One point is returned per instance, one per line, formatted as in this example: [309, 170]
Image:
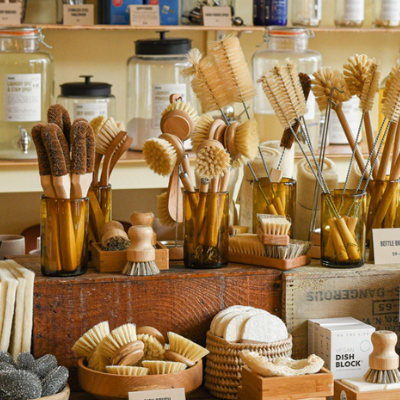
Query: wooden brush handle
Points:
[142, 218]
[178, 123]
[97, 161]
[118, 154]
[386, 152]
[338, 244]
[174, 195]
[230, 141]
[218, 125]
[369, 132]
[384, 356]
[349, 136]
[110, 233]
[186, 167]
[140, 249]
[348, 239]
[177, 144]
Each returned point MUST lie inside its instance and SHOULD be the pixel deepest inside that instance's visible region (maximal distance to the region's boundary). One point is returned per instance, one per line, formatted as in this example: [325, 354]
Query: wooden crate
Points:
[114, 261]
[257, 387]
[179, 300]
[343, 392]
[369, 293]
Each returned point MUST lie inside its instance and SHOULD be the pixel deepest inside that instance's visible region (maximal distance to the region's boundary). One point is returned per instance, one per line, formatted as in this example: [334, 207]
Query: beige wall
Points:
[103, 54]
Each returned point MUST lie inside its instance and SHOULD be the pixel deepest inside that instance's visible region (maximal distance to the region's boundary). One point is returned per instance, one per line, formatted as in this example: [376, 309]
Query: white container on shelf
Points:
[349, 13]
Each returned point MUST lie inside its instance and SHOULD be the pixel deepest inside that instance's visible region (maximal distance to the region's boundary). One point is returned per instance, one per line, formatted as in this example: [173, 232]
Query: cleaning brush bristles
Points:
[246, 243]
[325, 80]
[235, 77]
[163, 213]
[116, 339]
[370, 87]
[391, 104]
[97, 123]
[296, 248]
[212, 160]
[182, 106]
[89, 341]
[272, 224]
[186, 347]
[246, 141]
[356, 72]
[57, 114]
[160, 155]
[200, 133]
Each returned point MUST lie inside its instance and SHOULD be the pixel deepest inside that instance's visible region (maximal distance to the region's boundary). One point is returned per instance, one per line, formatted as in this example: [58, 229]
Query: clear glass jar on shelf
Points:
[306, 12]
[386, 13]
[26, 87]
[283, 43]
[349, 13]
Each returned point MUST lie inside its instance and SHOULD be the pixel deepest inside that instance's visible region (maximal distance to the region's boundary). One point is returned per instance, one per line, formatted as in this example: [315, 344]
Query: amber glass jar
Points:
[64, 236]
[280, 197]
[206, 224]
[343, 219]
[100, 210]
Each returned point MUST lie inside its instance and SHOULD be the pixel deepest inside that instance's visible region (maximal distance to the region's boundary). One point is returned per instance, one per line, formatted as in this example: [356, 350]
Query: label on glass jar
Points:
[391, 11]
[161, 93]
[90, 110]
[23, 97]
[352, 112]
[10, 13]
[354, 10]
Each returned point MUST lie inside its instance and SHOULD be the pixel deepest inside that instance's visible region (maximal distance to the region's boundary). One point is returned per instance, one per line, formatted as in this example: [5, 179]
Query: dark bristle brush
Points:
[57, 114]
[78, 158]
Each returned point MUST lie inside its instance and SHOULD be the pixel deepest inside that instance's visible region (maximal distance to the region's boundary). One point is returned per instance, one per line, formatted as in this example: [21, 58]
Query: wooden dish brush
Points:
[141, 254]
[383, 361]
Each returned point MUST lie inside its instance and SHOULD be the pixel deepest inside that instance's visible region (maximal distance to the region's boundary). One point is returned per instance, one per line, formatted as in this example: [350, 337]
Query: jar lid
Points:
[23, 32]
[163, 46]
[86, 89]
[284, 31]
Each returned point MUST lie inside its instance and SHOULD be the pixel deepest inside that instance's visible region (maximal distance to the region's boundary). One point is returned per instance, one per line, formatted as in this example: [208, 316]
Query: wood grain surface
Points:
[179, 300]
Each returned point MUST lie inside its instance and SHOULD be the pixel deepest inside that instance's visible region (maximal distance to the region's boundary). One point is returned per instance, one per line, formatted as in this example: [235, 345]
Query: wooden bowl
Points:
[106, 386]
[63, 395]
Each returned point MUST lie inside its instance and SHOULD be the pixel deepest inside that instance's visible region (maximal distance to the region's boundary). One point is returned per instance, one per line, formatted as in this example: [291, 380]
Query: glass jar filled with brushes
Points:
[64, 236]
[206, 229]
[274, 198]
[282, 43]
[343, 221]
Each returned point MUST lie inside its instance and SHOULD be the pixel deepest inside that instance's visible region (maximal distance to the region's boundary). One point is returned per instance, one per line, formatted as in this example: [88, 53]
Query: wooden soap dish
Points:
[273, 240]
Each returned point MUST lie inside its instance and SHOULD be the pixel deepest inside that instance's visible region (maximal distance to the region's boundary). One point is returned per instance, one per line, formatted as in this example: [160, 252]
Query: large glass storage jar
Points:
[154, 73]
[87, 99]
[26, 89]
[285, 43]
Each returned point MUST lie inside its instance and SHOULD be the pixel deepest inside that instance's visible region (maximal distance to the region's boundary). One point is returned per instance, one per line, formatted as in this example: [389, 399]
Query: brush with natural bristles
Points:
[117, 339]
[141, 254]
[205, 82]
[235, 78]
[57, 114]
[383, 361]
[86, 344]
[96, 124]
[127, 370]
[212, 160]
[273, 229]
[185, 347]
[202, 130]
[163, 153]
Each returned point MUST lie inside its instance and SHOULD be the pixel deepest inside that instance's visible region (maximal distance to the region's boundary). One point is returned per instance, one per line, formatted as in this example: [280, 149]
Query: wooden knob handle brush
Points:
[144, 218]
[140, 249]
[384, 356]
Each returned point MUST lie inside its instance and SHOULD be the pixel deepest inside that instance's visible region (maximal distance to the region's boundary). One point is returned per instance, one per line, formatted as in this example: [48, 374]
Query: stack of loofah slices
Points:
[28, 378]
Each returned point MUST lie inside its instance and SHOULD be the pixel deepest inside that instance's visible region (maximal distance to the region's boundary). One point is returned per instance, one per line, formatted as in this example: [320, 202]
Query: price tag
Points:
[165, 394]
[78, 14]
[386, 245]
[144, 15]
[10, 13]
[217, 16]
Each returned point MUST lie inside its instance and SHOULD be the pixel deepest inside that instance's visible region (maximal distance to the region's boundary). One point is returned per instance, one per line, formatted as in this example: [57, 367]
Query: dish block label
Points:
[23, 97]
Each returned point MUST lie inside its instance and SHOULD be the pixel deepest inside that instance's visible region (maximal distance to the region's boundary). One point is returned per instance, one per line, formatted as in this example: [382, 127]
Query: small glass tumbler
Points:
[64, 236]
[274, 198]
[206, 224]
[343, 219]
[383, 205]
[100, 210]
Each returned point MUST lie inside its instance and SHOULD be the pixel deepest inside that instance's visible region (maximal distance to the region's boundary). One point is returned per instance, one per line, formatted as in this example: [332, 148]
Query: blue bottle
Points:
[259, 12]
[276, 12]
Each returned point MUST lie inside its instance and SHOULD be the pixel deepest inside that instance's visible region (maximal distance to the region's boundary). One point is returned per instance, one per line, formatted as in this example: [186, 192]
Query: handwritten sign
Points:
[217, 16]
[144, 15]
[164, 394]
[386, 245]
[10, 13]
[78, 14]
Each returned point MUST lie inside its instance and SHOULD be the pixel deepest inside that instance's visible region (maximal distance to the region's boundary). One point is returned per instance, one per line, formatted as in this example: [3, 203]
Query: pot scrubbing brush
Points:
[57, 114]
[202, 129]
[153, 349]
[383, 361]
[127, 370]
[185, 347]
[141, 254]
[163, 367]
[273, 229]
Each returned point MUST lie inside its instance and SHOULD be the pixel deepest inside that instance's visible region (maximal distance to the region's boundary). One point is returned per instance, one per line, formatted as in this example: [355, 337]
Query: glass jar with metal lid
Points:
[154, 73]
[26, 89]
[87, 99]
[283, 43]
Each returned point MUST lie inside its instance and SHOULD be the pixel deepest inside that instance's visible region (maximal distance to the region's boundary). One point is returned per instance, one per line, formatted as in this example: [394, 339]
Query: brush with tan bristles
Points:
[234, 75]
[202, 130]
[185, 347]
[126, 370]
[205, 82]
[96, 124]
[90, 340]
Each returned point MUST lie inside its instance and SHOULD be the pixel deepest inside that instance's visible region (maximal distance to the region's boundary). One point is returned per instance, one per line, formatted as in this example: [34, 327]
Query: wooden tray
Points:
[343, 391]
[106, 386]
[114, 261]
[257, 387]
[269, 262]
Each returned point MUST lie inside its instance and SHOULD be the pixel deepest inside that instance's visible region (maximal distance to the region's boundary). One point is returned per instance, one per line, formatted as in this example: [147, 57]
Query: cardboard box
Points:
[369, 294]
[169, 11]
[344, 345]
[119, 11]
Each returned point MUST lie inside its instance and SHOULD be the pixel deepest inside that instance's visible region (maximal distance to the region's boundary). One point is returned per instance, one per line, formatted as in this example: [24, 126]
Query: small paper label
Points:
[78, 14]
[10, 13]
[386, 245]
[144, 15]
[165, 394]
[217, 16]
[90, 110]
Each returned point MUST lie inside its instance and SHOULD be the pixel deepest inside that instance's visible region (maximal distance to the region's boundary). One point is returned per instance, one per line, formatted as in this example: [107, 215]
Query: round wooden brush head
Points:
[212, 160]
[57, 114]
[384, 356]
[140, 249]
[142, 218]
